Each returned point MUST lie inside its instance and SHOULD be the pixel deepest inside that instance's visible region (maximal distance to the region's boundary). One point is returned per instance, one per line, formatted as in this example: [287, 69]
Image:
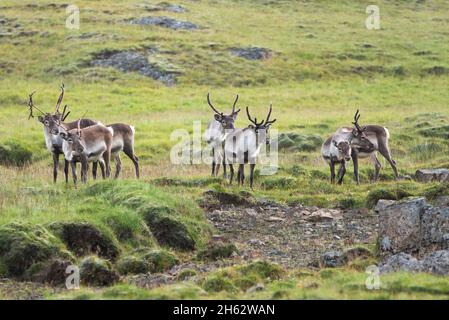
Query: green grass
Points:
[326, 64]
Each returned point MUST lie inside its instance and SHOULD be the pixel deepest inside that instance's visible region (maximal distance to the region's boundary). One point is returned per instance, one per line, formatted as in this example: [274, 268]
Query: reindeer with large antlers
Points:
[216, 132]
[243, 146]
[51, 124]
[90, 144]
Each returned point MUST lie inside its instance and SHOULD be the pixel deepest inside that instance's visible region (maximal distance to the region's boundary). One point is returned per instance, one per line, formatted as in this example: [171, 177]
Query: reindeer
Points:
[216, 132]
[337, 149]
[52, 140]
[243, 146]
[90, 144]
[366, 141]
[122, 140]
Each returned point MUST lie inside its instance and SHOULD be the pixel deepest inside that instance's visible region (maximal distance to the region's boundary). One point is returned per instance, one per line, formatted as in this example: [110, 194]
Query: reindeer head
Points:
[263, 126]
[343, 148]
[74, 143]
[226, 121]
[359, 138]
[51, 121]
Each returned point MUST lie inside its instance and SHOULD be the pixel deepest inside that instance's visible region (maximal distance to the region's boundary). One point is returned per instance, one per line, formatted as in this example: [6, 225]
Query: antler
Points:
[235, 102]
[210, 104]
[64, 115]
[78, 127]
[255, 119]
[268, 117]
[31, 106]
[356, 121]
[61, 96]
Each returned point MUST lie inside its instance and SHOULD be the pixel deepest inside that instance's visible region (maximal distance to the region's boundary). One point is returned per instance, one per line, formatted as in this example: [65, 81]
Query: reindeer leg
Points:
[241, 173]
[107, 162]
[355, 161]
[129, 151]
[118, 165]
[341, 172]
[377, 166]
[73, 166]
[55, 166]
[102, 168]
[332, 168]
[251, 174]
[66, 171]
[213, 162]
[84, 168]
[386, 153]
[225, 175]
[231, 169]
[94, 170]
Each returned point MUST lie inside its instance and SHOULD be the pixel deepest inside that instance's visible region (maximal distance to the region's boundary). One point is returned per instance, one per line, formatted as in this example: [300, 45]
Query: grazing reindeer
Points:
[243, 146]
[215, 134]
[89, 144]
[366, 141]
[336, 149]
[52, 140]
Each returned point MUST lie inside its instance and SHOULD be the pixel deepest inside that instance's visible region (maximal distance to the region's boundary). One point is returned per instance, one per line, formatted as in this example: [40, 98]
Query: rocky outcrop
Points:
[164, 22]
[400, 224]
[251, 53]
[436, 263]
[431, 175]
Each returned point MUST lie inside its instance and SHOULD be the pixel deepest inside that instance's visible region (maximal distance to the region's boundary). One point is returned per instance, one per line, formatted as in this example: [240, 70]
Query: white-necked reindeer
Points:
[337, 150]
[366, 141]
[243, 146]
[215, 134]
[52, 139]
[90, 144]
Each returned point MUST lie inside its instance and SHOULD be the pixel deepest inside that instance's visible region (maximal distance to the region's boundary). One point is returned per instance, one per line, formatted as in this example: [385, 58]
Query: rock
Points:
[322, 215]
[441, 201]
[275, 219]
[401, 262]
[251, 53]
[84, 239]
[226, 198]
[401, 223]
[332, 259]
[430, 175]
[382, 204]
[437, 262]
[164, 22]
[97, 272]
[135, 61]
[256, 288]
[163, 6]
[435, 227]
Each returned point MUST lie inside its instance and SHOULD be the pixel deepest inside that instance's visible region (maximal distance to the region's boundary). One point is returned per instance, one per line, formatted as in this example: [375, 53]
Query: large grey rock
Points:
[164, 22]
[437, 262]
[134, 61]
[435, 227]
[429, 175]
[400, 222]
[401, 262]
[332, 259]
[251, 53]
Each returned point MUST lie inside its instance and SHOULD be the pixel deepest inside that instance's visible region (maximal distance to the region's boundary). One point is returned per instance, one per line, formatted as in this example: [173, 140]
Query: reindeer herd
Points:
[90, 141]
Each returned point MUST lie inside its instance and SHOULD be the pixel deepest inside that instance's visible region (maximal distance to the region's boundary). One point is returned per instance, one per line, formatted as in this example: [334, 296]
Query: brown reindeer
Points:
[51, 130]
[90, 144]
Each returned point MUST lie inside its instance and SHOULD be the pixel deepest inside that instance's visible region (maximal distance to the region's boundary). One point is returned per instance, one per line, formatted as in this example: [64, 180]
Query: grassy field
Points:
[325, 65]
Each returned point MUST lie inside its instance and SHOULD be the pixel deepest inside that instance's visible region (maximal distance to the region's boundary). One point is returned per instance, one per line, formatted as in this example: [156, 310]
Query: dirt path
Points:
[292, 236]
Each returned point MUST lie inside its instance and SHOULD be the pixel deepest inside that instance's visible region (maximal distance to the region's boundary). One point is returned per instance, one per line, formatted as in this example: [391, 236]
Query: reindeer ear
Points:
[63, 135]
[235, 113]
[335, 143]
[251, 126]
[217, 117]
[41, 119]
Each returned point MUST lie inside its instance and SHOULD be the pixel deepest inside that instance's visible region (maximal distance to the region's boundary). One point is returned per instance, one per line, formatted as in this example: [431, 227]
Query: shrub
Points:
[263, 270]
[23, 245]
[387, 194]
[83, 238]
[218, 283]
[278, 183]
[426, 151]
[133, 265]
[217, 250]
[97, 272]
[160, 260]
[15, 154]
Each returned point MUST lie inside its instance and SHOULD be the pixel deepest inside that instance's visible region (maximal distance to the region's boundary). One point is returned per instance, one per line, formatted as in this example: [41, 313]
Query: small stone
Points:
[332, 259]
